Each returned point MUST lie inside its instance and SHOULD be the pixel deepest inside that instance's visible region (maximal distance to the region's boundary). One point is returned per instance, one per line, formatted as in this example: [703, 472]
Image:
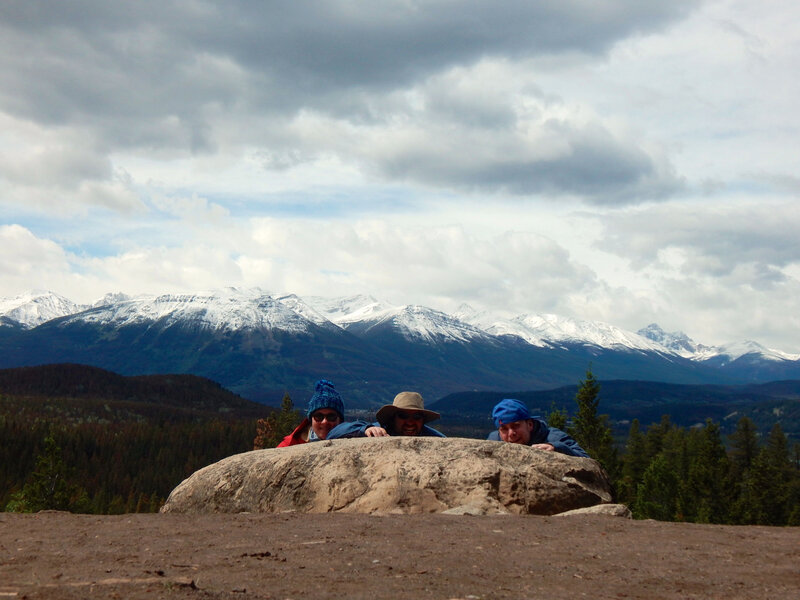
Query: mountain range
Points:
[261, 345]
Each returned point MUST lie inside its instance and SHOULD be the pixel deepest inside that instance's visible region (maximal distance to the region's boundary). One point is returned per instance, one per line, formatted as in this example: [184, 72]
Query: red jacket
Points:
[298, 436]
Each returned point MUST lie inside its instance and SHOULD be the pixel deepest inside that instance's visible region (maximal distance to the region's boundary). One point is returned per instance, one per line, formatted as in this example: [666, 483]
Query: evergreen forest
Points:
[121, 450]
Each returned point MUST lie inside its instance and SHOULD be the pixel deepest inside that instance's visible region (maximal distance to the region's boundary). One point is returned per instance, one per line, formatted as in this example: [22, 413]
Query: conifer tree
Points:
[705, 489]
[656, 496]
[557, 417]
[591, 430]
[767, 486]
[634, 463]
[744, 446]
[49, 487]
[270, 431]
[654, 440]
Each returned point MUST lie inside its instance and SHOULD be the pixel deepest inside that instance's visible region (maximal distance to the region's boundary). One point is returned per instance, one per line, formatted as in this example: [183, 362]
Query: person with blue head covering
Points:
[325, 411]
[516, 425]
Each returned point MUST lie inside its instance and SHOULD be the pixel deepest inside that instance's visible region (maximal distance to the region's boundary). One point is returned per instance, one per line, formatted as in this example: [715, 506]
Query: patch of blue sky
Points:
[319, 203]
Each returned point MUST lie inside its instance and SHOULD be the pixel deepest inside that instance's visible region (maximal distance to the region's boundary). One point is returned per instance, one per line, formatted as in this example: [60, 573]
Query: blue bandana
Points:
[509, 411]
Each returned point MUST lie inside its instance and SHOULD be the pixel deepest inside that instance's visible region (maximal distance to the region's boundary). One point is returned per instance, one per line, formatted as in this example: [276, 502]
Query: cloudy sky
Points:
[616, 160]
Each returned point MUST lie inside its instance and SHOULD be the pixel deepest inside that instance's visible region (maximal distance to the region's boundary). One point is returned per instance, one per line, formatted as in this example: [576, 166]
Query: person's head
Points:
[513, 421]
[406, 414]
[325, 408]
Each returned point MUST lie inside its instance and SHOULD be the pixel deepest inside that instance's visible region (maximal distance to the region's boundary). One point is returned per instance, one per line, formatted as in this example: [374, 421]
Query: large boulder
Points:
[395, 475]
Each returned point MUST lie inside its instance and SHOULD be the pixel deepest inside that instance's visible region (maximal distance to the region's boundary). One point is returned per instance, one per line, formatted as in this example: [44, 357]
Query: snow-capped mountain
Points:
[548, 330]
[111, 298]
[365, 315]
[677, 341]
[302, 308]
[36, 307]
[681, 344]
[738, 350]
[221, 310]
[349, 309]
[234, 309]
[261, 345]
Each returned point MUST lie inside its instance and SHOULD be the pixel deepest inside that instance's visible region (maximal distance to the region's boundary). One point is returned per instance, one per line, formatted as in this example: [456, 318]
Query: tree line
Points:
[672, 473]
[107, 467]
[663, 472]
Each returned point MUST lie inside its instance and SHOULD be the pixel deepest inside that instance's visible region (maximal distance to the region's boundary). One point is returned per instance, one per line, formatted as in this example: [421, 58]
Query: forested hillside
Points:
[115, 444]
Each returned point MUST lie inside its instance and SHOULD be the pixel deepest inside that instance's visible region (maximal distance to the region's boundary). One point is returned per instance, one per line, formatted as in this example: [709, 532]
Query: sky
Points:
[616, 160]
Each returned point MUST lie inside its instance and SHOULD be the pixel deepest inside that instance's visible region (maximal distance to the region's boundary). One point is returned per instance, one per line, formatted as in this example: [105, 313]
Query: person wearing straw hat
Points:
[406, 415]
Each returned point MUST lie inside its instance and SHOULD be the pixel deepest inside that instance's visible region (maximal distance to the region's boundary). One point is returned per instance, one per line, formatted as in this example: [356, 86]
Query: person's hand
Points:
[546, 447]
[375, 432]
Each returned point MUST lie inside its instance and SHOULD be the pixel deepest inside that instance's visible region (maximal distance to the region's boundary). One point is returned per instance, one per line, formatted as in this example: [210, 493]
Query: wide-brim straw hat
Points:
[406, 401]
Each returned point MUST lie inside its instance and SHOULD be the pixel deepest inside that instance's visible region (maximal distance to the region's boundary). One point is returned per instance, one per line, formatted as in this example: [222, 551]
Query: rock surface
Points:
[612, 510]
[395, 475]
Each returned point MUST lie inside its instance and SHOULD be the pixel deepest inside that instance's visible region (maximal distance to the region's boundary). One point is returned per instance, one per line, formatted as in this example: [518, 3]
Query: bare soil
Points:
[54, 555]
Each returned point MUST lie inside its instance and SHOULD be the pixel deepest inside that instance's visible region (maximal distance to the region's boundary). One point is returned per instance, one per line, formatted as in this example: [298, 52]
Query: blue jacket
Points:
[357, 428]
[543, 434]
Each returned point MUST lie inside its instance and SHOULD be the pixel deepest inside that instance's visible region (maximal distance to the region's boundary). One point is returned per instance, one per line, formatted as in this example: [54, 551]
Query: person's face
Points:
[323, 420]
[408, 422]
[518, 432]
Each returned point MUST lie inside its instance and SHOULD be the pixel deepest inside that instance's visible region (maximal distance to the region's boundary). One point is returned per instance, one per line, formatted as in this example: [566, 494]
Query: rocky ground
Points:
[54, 555]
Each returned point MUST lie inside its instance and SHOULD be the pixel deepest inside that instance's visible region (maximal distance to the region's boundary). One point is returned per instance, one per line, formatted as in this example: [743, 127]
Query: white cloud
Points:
[24, 255]
[631, 163]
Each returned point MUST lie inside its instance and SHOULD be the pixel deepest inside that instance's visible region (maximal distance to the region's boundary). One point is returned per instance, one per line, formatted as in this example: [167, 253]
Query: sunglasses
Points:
[410, 416]
[330, 417]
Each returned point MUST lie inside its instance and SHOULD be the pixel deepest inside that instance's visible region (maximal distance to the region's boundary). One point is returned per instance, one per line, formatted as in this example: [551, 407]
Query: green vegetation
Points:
[279, 424]
[672, 473]
[50, 486]
[120, 466]
[676, 474]
[107, 444]
[126, 450]
[591, 430]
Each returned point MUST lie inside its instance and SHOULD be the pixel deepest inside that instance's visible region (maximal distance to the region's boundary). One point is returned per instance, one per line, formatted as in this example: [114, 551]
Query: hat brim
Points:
[387, 411]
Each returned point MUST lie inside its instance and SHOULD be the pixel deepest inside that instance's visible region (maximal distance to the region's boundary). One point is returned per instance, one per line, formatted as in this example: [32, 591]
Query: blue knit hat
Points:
[325, 396]
[508, 411]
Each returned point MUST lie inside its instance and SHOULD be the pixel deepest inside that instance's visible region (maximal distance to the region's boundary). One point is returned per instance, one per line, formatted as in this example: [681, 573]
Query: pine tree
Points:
[634, 463]
[657, 494]
[767, 487]
[591, 430]
[270, 431]
[557, 417]
[744, 446]
[705, 489]
[743, 454]
[49, 487]
[656, 434]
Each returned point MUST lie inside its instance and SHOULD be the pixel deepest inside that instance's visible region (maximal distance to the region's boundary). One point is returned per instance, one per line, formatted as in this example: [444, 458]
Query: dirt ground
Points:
[55, 555]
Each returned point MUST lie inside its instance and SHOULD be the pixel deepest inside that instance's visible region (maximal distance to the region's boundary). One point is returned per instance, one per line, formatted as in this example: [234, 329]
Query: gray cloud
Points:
[712, 240]
[341, 42]
[589, 161]
[163, 77]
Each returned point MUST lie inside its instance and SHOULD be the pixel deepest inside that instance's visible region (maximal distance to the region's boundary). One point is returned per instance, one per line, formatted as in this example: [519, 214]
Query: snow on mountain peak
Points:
[737, 350]
[36, 307]
[348, 309]
[230, 309]
[302, 308]
[548, 330]
[421, 322]
[677, 341]
[233, 309]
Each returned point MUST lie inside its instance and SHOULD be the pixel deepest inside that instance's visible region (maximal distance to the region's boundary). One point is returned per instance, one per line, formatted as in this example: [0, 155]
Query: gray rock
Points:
[613, 510]
[395, 475]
